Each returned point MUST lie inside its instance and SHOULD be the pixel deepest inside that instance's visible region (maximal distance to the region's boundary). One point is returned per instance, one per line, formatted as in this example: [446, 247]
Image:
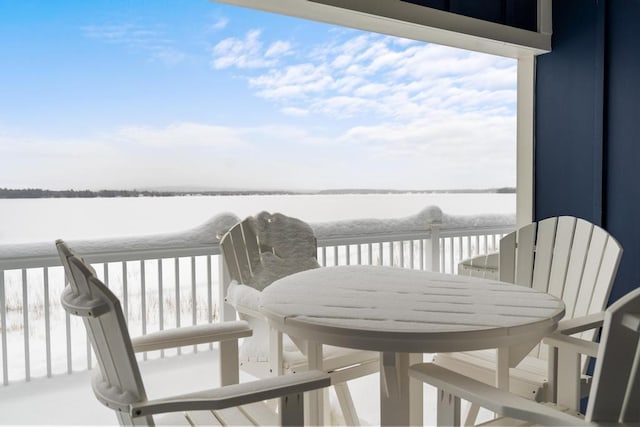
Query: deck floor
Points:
[68, 399]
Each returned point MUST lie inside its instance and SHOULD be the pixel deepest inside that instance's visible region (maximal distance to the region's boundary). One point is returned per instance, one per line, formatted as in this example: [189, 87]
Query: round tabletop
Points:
[410, 311]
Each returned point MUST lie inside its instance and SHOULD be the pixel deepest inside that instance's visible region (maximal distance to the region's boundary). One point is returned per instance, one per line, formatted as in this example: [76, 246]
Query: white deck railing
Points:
[172, 280]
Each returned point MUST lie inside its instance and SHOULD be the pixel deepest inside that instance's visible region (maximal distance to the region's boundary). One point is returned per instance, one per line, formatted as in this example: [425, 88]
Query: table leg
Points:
[416, 392]
[394, 389]
[314, 409]
[502, 368]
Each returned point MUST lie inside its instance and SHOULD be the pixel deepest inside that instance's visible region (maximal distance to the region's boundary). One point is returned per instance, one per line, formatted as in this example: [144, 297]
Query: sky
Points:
[124, 94]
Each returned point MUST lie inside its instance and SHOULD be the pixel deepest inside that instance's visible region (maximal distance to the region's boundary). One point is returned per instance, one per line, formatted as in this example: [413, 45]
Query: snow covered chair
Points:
[118, 383]
[615, 389]
[258, 251]
[567, 257]
[484, 266]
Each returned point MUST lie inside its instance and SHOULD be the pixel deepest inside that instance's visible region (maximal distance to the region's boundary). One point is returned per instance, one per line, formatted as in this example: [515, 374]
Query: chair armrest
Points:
[190, 335]
[575, 345]
[496, 400]
[580, 324]
[235, 395]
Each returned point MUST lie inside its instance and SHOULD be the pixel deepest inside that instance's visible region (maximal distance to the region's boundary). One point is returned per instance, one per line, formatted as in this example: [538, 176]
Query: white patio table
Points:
[399, 311]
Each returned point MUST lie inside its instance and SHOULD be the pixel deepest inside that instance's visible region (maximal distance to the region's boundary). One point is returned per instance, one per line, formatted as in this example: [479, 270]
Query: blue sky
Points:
[137, 94]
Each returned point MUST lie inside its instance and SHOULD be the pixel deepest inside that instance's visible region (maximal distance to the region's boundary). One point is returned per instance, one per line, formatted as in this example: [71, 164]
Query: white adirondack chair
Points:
[567, 257]
[615, 390]
[258, 251]
[118, 383]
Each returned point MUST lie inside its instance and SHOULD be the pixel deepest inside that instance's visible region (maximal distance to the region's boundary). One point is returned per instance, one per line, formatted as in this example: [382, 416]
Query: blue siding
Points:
[623, 137]
[515, 13]
[588, 123]
[568, 159]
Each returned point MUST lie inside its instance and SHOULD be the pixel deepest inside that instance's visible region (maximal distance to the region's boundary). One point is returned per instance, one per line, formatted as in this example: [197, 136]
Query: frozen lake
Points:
[35, 220]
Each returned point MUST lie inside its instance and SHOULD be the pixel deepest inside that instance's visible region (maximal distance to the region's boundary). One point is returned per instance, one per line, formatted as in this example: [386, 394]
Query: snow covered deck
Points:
[174, 280]
[69, 400]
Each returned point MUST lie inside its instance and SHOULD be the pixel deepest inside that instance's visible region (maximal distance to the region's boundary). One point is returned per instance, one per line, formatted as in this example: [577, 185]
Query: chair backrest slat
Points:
[507, 260]
[615, 391]
[524, 261]
[251, 243]
[229, 254]
[576, 266]
[242, 258]
[561, 255]
[593, 263]
[604, 280]
[545, 241]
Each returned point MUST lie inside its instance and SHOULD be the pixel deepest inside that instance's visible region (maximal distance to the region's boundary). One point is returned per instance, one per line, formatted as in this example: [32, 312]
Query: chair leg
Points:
[346, 404]
[292, 410]
[472, 414]
[448, 412]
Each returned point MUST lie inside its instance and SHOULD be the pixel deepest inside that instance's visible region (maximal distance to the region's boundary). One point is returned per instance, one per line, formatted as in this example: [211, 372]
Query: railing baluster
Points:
[143, 301]
[392, 253]
[176, 271]
[335, 255]
[67, 319]
[194, 308]
[161, 298]
[347, 249]
[359, 254]
[324, 256]
[452, 254]
[125, 291]
[210, 291]
[25, 326]
[47, 321]
[411, 252]
[3, 319]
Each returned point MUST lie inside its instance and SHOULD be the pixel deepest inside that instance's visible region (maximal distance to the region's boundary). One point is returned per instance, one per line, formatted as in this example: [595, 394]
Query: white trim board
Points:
[402, 19]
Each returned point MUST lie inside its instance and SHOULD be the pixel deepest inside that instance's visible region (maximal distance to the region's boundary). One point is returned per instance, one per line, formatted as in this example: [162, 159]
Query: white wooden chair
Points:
[118, 383]
[258, 251]
[615, 390]
[567, 257]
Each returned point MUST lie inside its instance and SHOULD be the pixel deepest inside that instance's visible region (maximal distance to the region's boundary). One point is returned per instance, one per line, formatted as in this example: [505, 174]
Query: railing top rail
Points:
[204, 240]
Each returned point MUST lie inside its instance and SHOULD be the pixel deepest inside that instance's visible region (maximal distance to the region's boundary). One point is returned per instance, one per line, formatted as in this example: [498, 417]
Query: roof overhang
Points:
[402, 19]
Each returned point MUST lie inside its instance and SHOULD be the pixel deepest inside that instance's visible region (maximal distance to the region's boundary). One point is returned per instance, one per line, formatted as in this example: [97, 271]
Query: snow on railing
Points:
[174, 279]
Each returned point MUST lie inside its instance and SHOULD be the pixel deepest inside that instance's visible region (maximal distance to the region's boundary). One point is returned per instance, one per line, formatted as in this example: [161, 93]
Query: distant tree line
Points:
[38, 193]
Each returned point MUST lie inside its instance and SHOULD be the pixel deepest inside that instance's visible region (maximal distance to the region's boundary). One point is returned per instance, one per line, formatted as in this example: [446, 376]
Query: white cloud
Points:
[377, 76]
[247, 52]
[277, 49]
[220, 24]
